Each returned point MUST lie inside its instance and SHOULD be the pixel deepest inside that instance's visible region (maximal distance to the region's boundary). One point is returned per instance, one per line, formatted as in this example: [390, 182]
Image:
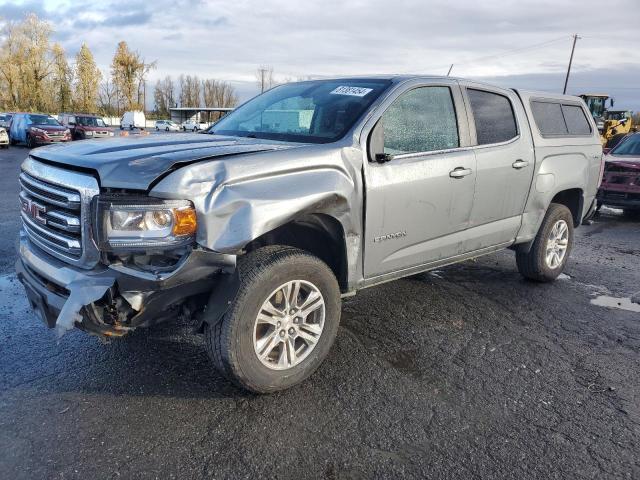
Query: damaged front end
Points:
[108, 261]
[112, 301]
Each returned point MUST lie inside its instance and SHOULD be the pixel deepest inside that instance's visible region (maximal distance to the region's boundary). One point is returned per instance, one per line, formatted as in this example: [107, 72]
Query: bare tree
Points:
[218, 93]
[107, 97]
[189, 91]
[164, 95]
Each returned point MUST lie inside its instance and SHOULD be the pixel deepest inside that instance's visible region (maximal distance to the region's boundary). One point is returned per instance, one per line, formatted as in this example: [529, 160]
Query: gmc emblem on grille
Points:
[34, 210]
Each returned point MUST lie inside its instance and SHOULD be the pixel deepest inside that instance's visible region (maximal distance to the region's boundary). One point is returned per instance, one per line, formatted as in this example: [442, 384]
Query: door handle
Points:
[459, 172]
[518, 164]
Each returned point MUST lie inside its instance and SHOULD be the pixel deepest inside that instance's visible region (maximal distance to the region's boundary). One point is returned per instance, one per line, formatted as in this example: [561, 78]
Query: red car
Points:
[620, 186]
[85, 126]
[37, 129]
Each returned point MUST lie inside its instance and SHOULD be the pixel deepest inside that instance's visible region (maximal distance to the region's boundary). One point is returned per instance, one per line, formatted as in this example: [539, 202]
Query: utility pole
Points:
[262, 71]
[573, 48]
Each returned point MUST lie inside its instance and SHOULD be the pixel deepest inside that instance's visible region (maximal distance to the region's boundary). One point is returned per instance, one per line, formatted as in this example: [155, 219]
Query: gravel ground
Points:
[465, 372]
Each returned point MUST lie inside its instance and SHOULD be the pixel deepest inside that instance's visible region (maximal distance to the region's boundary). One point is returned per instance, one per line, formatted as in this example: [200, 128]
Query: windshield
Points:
[596, 105]
[628, 146]
[316, 111]
[43, 120]
[90, 122]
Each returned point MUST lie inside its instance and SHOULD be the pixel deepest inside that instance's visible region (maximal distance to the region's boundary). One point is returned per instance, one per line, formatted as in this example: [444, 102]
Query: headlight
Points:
[89, 133]
[38, 130]
[111, 134]
[67, 132]
[142, 223]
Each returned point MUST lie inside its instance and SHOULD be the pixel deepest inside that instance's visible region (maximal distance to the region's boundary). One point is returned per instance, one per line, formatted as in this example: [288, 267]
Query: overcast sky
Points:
[518, 43]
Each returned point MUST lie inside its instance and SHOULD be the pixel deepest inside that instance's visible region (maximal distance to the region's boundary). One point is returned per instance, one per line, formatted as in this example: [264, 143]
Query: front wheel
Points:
[31, 142]
[282, 323]
[551, 248]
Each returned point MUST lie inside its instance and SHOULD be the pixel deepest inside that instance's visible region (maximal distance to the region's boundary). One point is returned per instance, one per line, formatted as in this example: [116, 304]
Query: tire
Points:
[631, 213]
[157, 129]
[30, 142]
[231, 342]
[166, 129]
[533, 264]
[184, 129]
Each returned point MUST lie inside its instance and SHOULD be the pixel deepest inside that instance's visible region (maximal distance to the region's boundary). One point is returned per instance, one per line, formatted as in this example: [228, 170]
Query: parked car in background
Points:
[4, 138]
[620, 187]
[194, 126]
[85, 126]
[37, 129]
[133, 119]
[257, 228]
[167, 126]
[5, 119]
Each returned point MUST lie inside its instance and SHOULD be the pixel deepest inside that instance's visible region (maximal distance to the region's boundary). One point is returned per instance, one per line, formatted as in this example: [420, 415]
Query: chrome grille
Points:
[56, 210]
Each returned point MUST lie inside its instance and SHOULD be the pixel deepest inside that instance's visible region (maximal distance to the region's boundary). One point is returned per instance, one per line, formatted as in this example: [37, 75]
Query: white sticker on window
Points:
[352, 91]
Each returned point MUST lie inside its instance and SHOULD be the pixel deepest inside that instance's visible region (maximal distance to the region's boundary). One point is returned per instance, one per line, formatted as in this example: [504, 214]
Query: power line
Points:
[512, 51]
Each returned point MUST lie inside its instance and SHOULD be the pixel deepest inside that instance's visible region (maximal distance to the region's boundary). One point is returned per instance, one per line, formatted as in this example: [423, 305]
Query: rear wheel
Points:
[282, 323]
[166, 129]
[551, 248]
[632, 213]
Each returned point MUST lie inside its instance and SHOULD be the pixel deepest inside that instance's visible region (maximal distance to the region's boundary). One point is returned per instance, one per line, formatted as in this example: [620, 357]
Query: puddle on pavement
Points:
[613, 302]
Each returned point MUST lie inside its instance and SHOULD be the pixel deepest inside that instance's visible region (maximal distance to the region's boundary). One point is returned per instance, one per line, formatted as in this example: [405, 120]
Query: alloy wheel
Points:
[557, 244]
[289, 325]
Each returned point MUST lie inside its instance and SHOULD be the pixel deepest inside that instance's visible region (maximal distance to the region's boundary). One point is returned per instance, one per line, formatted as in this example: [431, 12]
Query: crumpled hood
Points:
[134, 162]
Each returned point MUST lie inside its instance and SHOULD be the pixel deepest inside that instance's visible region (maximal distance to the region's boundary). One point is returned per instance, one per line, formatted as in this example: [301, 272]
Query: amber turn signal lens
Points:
[185, 221]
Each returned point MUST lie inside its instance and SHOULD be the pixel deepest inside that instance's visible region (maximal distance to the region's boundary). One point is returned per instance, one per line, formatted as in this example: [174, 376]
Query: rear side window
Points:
[549, 118]
[556, 119]
[577, 123]
[494, 117]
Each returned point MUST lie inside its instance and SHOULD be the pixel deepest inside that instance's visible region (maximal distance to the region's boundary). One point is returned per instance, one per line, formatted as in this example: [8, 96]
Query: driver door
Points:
[420, 188]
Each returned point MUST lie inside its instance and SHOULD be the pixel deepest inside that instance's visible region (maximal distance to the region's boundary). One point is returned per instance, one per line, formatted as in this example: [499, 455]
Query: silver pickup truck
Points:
[305, 194]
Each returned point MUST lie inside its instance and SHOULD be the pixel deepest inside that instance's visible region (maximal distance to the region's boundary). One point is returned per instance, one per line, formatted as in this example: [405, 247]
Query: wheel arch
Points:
[573, 199]
[317, 233]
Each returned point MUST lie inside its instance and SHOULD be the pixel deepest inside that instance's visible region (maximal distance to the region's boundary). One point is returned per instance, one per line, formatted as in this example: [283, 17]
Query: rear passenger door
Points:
[504, 164]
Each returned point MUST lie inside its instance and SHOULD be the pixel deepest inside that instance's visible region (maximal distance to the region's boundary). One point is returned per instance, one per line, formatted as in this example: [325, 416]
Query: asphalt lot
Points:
[466, 372]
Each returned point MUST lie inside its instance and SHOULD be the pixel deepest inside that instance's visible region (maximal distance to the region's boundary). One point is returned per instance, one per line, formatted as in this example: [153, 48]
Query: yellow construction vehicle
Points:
[612, 124]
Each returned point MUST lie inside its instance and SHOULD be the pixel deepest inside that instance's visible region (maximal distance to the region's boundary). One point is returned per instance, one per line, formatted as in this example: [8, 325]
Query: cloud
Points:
[522, 40]
[119, 20]
[17, 11]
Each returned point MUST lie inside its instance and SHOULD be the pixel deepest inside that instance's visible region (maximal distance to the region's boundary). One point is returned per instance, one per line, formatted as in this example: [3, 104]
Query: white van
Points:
[133, 119]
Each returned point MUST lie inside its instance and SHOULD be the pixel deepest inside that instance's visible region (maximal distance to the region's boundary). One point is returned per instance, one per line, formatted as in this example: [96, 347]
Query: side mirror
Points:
[376, 144]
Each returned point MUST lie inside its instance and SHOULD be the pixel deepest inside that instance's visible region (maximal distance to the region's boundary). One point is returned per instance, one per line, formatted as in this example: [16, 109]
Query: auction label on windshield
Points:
[352, 91]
